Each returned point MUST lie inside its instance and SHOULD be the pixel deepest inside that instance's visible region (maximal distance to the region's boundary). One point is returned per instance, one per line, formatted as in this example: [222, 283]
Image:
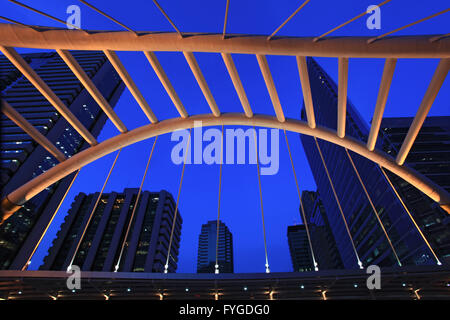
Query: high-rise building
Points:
[103, 246]
[299, 248]
[22, 159]
[429, 155]
[324, 245]
[370, 242]
[208, 245]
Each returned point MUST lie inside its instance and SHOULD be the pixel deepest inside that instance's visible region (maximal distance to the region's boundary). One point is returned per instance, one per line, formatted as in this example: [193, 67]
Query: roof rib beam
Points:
[168, 19]
[22, 123]
[91, 88]
[287, 20]
[342, 96]
[45, 90]
[107, 16]
[407, 26]
[190, 58]
[265, 70]
[234, 75]
[306, 89]
[162, 76]
[386, 79]
[125, 76]
[427, 101]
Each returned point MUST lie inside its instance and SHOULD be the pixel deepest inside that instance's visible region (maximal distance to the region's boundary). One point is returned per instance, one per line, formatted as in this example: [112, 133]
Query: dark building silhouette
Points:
[369, 239]
[146, 247]
[22, 159]
[299, 248]
[429, 155]
[207, 245]
[322, 240]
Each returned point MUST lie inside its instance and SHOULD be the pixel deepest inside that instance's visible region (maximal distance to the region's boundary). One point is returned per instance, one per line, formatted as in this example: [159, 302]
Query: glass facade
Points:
[429, 155]
[22, 159]
[100, 247]
[207, 246]
[370, 241]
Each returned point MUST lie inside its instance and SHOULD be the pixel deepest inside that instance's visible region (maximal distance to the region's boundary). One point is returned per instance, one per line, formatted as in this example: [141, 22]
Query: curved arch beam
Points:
[12, 35]
[33, 187]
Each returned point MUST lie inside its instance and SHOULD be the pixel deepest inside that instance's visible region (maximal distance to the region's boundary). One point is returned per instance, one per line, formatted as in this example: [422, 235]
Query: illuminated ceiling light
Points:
[187, 289]
[403, 284]
[20, 292]
[302, 287]
[355, 285]
[128, 289]
[245, 288]
[73, 290]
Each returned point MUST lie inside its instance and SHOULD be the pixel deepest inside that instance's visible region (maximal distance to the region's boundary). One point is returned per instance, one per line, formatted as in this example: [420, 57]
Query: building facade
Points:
[299, 248]
[429, 155]
[324, 245]
[370, 241]
[207, 246]
[22, 159]
[103, 246]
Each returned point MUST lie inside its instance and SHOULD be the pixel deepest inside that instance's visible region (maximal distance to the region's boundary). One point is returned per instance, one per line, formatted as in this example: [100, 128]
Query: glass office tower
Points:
[429, 155]
[103, 246]
[370, 241]
[22, 159]
[322, 239]
[207, 245]
[299, 248]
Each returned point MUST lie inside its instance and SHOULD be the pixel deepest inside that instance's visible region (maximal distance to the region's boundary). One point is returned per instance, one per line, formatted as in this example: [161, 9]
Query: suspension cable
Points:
[305, 222]
[410, 216]
[93, 210]
[373, 207]
[166, 266]
[135, 207]
[261, 200]
[218, 206]
[338, 203]
[50, 222]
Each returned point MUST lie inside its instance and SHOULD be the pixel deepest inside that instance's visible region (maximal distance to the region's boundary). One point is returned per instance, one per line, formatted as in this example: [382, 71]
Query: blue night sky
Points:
[240, 197]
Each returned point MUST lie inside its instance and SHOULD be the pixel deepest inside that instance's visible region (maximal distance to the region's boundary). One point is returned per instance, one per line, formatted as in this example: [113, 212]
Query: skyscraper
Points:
[103, 246]
[429, 155]
[22, 159]
[324, 245]
[299, 248]
[208, 244]
[371, 244]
